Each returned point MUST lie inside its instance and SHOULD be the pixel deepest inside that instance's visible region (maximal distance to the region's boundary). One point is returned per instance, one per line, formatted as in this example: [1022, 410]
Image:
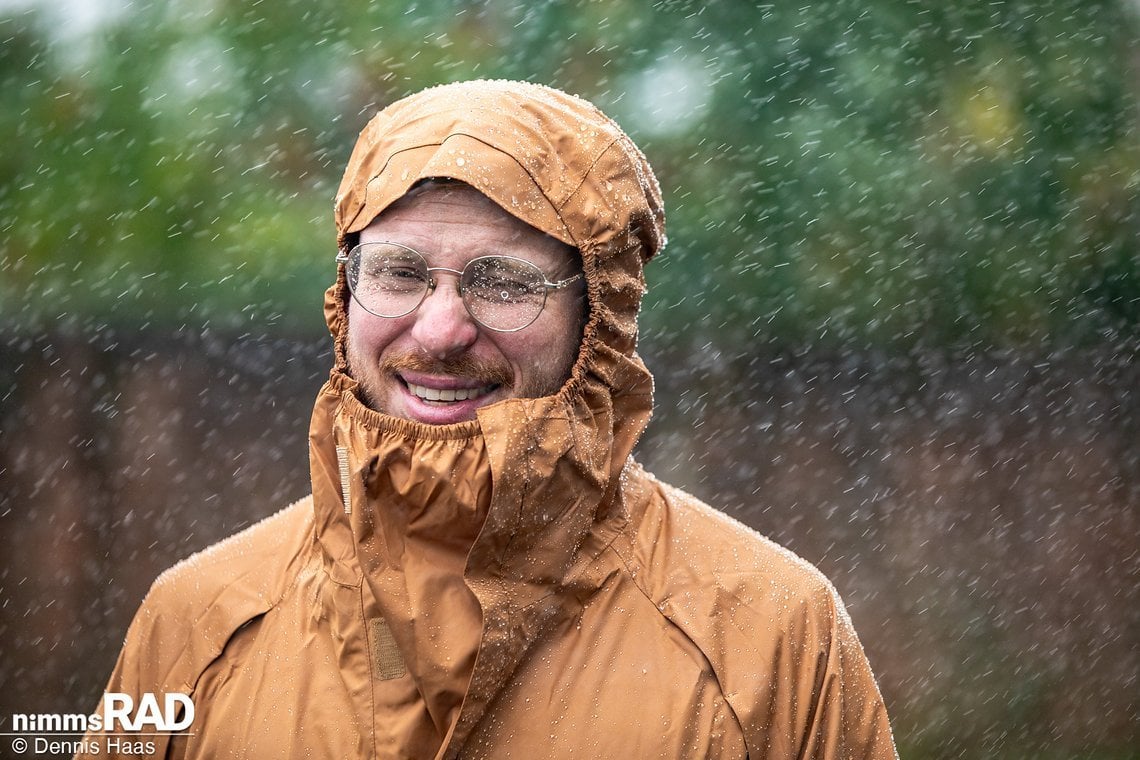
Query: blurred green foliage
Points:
[883, 173]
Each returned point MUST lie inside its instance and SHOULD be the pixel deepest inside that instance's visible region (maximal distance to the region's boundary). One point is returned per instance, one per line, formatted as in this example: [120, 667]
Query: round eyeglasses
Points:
[501, 293]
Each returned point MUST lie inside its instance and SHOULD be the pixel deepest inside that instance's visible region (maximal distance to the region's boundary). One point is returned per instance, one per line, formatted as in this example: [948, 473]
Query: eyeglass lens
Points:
[499, 292]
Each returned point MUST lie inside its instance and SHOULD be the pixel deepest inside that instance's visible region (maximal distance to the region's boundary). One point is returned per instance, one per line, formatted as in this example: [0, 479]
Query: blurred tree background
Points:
[891, 222]
[884, 173]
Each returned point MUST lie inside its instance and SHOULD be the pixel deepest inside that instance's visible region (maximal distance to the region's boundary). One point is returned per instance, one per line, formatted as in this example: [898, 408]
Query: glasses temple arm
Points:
[562, 283]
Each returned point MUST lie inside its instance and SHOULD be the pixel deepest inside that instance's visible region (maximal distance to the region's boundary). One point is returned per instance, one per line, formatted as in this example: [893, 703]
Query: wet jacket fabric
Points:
[514, 586]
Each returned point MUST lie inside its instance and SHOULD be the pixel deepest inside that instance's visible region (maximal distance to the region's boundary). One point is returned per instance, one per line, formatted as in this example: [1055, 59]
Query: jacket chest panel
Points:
[617, 682]
[281, 688]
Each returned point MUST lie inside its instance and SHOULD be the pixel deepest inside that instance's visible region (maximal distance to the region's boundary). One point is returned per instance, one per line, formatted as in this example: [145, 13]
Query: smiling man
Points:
[482, 570]
[495, 328]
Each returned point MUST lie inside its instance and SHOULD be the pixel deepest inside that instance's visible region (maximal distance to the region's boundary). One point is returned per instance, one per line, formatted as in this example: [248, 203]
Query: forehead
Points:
[454, 221]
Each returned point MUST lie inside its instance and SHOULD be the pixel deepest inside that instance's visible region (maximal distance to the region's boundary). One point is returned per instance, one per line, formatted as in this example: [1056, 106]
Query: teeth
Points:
[447, 394]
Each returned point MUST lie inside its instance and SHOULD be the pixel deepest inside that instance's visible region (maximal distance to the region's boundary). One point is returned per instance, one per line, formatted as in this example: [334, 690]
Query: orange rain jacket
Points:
[515, 586]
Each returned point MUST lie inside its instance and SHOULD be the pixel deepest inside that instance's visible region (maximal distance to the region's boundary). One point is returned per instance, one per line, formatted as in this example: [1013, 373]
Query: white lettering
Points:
[118, 713]
[172, 707]
[118, 707]
[148, 712]
[43, 746]
[55, 722]
[120, 746]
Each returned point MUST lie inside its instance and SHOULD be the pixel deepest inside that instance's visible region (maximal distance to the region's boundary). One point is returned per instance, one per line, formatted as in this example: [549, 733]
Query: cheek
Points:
[367, 333]
[570, 318]
[551, 344]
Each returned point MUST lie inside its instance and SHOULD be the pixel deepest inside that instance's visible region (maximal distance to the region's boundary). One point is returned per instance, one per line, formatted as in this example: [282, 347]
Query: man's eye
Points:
[401, 273]
[510, 285]
[503, 288]
[503, 280]
[398, 278]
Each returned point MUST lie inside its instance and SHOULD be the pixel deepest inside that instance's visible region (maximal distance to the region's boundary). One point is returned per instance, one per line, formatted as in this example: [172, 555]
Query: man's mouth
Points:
[443, 392]
[445, 395]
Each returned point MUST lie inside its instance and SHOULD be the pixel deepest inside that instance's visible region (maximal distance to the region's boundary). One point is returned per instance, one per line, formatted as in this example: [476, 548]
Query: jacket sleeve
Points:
[145, 665]
[773, 630]
[189, 615]
[845, 716]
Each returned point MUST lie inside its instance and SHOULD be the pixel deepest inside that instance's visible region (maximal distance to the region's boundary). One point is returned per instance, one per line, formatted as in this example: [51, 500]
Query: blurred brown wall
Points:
[978, 514]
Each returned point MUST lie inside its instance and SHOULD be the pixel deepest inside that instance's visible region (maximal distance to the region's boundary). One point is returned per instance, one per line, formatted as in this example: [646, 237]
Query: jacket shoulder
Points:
[193, 608]
[769, 624]
[682, 541]
[251, 562]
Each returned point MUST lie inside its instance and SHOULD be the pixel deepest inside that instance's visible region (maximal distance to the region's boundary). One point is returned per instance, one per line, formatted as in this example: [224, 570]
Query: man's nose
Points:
[443, 328]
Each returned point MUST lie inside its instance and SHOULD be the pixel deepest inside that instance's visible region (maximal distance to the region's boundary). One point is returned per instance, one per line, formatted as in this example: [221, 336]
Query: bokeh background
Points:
[895, 327]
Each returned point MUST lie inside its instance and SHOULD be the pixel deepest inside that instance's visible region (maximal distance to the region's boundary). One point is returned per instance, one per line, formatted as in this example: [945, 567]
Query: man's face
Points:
[439, 350]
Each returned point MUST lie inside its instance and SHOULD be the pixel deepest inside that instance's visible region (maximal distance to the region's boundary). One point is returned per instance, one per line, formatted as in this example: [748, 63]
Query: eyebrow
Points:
[551, 259]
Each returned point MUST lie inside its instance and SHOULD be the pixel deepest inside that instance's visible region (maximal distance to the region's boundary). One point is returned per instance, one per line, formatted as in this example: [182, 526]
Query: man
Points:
[482, 571]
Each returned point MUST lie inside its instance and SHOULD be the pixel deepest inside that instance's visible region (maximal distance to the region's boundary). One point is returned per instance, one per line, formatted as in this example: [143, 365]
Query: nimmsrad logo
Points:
[119, 713]
[120, 709]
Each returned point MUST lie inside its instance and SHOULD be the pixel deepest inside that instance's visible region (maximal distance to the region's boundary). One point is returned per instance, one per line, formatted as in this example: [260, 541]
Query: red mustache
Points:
[487, 373]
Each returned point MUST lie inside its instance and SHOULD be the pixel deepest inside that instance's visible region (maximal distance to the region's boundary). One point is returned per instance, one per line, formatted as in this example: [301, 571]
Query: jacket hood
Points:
[559, 164]
[496, 514]
[548, 158]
